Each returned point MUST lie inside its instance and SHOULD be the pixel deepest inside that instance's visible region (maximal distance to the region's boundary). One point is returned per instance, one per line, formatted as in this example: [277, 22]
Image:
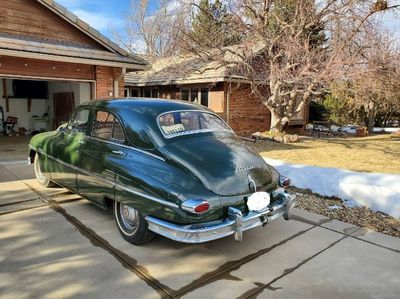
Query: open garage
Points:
[30, 106]
[50, 62]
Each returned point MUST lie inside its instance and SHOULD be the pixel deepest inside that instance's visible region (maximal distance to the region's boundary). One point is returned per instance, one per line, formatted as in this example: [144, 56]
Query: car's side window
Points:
[80, 121]
[106, 126]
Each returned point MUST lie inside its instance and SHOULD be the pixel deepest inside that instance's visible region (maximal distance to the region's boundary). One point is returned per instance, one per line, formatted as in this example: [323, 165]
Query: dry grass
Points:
[378, 153]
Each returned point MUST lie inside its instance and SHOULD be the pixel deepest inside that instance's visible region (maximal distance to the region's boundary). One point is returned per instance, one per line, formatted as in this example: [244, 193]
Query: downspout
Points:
[228, 96]
[116, 82]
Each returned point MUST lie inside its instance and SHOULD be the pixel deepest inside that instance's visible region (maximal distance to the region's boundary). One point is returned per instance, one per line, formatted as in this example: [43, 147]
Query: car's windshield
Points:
[177, 123]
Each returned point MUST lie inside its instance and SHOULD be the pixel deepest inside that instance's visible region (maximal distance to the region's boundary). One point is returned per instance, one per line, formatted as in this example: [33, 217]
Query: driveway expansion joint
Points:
[253, 293]
[355, 232]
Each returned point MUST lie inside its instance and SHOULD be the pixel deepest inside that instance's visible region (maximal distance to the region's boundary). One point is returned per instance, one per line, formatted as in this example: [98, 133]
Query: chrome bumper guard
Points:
[235, 224]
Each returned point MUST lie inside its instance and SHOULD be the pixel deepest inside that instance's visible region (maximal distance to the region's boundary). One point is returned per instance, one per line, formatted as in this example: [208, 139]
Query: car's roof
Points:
[149, 106]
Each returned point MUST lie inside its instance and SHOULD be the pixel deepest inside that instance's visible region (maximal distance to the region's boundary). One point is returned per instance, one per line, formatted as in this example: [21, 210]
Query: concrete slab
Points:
[12, 191]
[380, 239]
[178, 265]
[13, 148]
[9, 208]
[350, 269]
[5, 176]
[341, 227]
[266, 267]
[50, 192]
[303, 215]
[44, 256]
[21, 170]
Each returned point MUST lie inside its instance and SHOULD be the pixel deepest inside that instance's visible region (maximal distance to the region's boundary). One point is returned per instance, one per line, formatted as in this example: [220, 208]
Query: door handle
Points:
[118, 152]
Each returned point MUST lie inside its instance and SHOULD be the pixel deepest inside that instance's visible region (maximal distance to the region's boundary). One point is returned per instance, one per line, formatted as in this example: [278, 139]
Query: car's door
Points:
[67, 147]
[102, 156]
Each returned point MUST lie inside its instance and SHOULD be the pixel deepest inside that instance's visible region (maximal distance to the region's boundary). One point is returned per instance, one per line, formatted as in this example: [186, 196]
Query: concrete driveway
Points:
[54, 244]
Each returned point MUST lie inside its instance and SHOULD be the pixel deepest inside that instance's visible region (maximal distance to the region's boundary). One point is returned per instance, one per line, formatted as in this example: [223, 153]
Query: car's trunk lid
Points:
[224, 165]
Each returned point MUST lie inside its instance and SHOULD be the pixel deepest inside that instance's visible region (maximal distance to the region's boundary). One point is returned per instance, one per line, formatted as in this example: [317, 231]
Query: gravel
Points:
[334, 208]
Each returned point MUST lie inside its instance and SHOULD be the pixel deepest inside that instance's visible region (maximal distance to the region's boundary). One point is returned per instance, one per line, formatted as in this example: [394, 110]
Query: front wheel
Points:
[132, 226]
[42, 179]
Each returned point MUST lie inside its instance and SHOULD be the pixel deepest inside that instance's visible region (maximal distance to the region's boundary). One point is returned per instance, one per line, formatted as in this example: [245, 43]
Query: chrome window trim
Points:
[150, 197]
[191, 132]
[126, 146]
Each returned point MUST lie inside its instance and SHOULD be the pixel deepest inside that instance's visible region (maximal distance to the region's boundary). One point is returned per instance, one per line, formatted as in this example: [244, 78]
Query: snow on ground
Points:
[378, 191]
[351, 129]
[387, 130]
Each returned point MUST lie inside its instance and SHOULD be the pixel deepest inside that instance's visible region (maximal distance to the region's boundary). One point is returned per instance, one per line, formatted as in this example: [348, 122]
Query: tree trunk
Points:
[371, 118]
[276, 122]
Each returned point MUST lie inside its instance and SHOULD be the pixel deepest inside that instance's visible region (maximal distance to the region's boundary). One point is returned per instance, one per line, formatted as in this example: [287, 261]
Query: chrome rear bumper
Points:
[235, 224]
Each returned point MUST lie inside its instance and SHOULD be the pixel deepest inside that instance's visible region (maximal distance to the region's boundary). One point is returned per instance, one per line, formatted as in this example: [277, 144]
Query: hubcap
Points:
[129, 216]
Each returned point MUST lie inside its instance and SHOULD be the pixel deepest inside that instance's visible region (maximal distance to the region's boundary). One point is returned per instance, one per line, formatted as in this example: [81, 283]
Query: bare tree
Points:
[152, 29]
[292, 49]
[372, 85]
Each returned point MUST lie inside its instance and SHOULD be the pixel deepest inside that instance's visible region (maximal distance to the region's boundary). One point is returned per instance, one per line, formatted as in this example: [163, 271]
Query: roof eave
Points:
[67, 59]
[210, 80]
[72, 19]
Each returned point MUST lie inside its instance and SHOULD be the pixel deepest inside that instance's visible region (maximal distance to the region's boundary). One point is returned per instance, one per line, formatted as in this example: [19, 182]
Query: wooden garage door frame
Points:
[92, 82]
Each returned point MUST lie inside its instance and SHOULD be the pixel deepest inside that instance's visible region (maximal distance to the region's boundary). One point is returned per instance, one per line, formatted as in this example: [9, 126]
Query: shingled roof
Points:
[190, 68]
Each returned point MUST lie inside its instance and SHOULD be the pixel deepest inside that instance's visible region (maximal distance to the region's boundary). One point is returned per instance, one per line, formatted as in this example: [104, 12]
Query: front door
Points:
[102, 156]
[67, 147]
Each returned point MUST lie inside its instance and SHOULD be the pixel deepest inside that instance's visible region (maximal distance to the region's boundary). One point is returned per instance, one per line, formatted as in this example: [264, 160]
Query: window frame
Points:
[113, 140]
[198, 89]
[89, 122]
[191, 132]
[134, 89]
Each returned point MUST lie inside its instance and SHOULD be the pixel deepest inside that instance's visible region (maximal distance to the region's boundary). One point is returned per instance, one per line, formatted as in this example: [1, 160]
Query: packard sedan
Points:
[165, 167]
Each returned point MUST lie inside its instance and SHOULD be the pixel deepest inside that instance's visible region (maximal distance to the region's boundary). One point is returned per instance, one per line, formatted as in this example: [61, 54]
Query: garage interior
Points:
[29, 106]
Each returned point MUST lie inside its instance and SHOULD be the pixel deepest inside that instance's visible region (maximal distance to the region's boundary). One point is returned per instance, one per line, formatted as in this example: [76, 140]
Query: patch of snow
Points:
[387, 130]
[377, 191]
[335, 207]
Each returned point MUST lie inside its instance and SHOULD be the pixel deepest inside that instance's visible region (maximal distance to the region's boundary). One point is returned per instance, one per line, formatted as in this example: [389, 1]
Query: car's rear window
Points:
[177, 123]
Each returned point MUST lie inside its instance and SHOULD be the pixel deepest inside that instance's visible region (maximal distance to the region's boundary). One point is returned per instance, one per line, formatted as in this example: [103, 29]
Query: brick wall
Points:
[105, 82]
[246, 112]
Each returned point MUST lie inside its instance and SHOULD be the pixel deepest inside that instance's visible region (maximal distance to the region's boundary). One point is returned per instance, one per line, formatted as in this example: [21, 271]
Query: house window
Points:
[147, 92]
[185, 93]
[135, 92]
[126, 92]
[154, 93]
[195, 95]
[204, 97]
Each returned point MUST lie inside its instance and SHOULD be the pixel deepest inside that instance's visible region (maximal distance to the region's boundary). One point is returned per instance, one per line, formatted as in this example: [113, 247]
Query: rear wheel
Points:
[42, 179]
[132, 226]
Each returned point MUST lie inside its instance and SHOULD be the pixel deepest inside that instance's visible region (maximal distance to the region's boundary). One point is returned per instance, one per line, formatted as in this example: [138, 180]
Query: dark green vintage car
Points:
[166, 167]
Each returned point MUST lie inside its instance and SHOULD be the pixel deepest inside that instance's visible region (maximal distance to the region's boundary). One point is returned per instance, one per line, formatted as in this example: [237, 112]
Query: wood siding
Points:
[27, 18]
[14, 66]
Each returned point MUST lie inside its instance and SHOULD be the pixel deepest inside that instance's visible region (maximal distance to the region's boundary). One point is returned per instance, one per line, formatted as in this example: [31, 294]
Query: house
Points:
[208, 83]
[51, 61]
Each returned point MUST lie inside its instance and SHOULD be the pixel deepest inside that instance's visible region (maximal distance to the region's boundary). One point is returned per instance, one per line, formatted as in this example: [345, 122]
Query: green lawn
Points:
[378, 153]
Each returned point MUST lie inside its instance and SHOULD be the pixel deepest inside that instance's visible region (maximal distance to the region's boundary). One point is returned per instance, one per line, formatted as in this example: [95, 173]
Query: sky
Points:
[108, 15]
[100, 14]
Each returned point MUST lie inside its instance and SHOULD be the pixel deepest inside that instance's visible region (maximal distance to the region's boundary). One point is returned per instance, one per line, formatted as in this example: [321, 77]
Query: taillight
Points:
[195, 206]
[284, 181]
